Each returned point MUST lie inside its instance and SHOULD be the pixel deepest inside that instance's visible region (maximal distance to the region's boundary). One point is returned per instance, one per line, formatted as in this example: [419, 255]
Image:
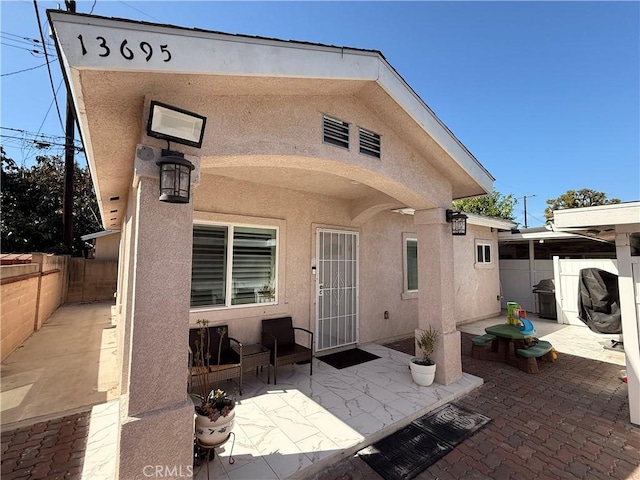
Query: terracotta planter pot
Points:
[215, 433]
[423, 375]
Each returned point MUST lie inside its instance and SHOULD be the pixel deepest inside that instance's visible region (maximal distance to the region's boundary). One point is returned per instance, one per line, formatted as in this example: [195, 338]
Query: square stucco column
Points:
[156, 414]
[436, 291]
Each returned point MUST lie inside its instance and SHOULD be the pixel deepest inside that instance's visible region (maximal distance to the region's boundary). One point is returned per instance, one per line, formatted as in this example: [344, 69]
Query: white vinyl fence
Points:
[566, 279]
[517, 283]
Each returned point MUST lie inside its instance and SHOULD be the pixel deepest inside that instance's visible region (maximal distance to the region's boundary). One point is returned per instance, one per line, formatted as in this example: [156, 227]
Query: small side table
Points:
[256, 356]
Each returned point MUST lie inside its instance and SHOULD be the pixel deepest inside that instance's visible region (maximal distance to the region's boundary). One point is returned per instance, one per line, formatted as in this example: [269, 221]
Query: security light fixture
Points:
[175, 177]
[458, 222]
[175, 124]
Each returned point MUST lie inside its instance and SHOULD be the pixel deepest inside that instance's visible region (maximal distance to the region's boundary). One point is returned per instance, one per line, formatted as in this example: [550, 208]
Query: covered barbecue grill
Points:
[546, 290]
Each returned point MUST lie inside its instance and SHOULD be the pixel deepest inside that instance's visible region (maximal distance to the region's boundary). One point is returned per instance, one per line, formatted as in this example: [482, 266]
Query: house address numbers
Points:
[128, 52]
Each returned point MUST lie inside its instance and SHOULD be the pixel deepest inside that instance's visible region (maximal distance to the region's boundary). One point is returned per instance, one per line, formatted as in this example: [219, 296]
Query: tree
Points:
[576, 199]
[32, 206]
[493, 205]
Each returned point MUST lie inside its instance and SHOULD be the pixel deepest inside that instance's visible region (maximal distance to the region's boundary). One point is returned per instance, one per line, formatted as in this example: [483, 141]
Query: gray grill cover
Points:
[545, 286]
[599, 300]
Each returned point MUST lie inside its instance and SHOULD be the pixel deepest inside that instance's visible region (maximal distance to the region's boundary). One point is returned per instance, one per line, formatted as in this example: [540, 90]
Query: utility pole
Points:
[525, 209]
[69, 150]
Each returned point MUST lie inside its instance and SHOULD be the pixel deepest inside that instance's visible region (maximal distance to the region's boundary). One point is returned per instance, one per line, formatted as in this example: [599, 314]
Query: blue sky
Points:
[546, 95]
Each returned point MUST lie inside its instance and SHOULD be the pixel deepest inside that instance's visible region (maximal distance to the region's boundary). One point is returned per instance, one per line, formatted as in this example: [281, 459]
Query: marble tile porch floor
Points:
[305, 423]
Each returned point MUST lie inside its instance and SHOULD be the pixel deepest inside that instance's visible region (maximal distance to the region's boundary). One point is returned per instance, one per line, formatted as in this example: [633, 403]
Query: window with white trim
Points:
[483, 253]
[233, 265]
[410, 257]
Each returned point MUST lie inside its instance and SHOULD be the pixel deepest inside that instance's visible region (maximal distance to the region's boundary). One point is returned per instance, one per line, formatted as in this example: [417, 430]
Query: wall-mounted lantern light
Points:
[458, 222]
[175, 177]
[179, 126]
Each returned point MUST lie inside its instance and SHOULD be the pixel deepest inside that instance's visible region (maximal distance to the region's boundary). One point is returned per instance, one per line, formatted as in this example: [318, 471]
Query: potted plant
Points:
[267, 291]
[423, 370]
[215, 411]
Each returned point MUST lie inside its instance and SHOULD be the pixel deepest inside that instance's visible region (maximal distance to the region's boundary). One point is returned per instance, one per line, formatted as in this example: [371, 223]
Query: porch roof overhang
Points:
[601, 222]
[149, 59]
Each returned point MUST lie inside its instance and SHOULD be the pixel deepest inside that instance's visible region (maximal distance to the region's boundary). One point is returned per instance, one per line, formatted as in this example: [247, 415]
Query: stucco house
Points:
[311, 158]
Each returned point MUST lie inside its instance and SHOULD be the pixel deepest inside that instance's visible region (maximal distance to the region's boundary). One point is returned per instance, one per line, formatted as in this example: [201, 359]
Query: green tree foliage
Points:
[577, 199]
[493, 205]
[32, 206]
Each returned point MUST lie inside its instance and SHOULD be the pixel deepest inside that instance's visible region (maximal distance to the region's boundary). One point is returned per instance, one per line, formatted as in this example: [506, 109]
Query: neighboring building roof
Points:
[534, 233]
[493, 222]
[104, 233]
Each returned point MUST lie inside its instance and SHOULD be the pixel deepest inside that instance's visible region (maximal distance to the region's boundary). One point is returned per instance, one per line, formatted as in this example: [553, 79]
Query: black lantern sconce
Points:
[180, 126]
[175, 177]
[458, 222]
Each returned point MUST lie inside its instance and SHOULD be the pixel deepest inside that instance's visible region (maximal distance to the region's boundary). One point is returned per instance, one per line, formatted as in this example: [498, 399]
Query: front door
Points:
[336, 288]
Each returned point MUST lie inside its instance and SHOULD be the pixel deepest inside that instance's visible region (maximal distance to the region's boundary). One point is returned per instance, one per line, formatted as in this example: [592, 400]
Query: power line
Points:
[138, 10]
[36, 137]
[24, 70]
[35, 5]
[41, 144]
[26, 49]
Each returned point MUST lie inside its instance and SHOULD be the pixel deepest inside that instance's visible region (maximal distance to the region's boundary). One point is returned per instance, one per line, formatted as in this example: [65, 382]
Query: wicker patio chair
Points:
[230, 366]
[278, 335]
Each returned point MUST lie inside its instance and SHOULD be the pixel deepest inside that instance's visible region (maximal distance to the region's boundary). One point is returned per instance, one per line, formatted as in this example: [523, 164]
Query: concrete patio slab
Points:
[67, 366]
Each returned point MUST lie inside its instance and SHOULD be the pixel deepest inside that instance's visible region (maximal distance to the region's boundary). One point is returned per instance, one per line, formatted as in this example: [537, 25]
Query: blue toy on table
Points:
[526, 327]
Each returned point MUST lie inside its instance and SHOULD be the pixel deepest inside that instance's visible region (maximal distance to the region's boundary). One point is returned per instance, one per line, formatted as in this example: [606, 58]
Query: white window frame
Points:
[229, 265]
[484, 244]
[406, 293]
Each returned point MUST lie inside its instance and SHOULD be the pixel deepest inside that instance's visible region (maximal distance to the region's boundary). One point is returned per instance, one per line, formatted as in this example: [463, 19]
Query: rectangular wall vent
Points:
[369, 143]
[335, 132]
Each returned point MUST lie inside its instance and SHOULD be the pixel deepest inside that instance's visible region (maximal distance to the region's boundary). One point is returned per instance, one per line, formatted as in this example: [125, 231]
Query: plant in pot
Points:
[423, 370]
[215, 410]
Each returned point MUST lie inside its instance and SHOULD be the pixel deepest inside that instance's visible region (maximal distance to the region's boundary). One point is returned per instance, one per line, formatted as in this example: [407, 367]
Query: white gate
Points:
[517, 281]
[567, 272]
[337, 289]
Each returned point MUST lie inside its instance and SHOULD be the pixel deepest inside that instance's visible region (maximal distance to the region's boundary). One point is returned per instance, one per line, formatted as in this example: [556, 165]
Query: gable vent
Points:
[335, 132]
[369, 143]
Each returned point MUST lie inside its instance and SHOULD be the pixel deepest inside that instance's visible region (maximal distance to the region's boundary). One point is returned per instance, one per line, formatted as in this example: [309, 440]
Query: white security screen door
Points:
[337, 289]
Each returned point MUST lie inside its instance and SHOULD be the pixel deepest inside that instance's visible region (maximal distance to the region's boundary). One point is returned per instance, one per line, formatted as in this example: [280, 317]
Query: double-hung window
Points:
[483, 253]
[233, 265]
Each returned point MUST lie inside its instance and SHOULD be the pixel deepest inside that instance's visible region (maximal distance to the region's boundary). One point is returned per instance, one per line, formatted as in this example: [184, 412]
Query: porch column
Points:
[630, 318]
[436, 291]
[156, 414]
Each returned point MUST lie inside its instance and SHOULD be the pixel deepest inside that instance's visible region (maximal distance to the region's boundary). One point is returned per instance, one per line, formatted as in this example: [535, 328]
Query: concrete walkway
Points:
[69, 365]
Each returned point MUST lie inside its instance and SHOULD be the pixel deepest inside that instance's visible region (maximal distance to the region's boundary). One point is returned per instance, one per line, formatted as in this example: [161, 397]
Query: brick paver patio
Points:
[47, 450]
[569, 421]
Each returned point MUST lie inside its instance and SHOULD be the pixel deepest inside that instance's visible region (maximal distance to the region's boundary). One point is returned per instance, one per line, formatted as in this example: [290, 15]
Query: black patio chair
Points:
[278, 335]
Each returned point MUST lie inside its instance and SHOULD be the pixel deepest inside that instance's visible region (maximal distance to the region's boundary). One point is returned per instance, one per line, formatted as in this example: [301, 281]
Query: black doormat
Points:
[410, 451]
[348, 358]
